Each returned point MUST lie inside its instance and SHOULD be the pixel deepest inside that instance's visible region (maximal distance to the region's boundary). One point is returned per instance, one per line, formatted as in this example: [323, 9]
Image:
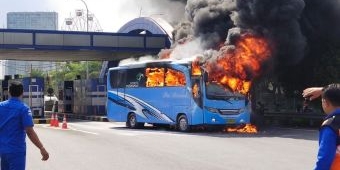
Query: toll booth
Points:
[90, 96]
[96, 93]
[65, 96]
[80, 99]
[33, 94]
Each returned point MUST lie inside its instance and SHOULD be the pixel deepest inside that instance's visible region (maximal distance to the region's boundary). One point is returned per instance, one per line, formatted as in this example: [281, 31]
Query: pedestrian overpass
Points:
[138, 37]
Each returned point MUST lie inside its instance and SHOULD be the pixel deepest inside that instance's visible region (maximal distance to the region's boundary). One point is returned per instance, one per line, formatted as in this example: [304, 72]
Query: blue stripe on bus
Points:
[123, 103]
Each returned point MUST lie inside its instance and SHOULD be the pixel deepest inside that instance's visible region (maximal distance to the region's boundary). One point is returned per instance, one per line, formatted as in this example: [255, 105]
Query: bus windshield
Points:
[216, 91]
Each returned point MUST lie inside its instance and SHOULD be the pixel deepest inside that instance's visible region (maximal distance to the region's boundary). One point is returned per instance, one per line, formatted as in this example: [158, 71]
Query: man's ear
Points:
[327, 103]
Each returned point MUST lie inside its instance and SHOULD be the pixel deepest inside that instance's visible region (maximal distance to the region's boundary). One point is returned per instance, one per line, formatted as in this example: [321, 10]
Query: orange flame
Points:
[248, 128]
[174, 78]
[195, 90]
[155, 77]
[195, 68]
[158, 77]
[238, 67]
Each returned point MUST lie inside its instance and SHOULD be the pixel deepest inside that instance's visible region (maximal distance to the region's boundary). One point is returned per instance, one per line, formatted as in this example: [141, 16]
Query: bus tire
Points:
[182, 123]
[132, 121]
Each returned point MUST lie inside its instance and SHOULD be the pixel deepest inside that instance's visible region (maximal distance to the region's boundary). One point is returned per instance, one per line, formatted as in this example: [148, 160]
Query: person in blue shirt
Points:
[15, 122]
[329, 137]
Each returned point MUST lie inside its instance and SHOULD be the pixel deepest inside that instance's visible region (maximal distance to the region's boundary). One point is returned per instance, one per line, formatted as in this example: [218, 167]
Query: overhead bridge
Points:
[42, 45]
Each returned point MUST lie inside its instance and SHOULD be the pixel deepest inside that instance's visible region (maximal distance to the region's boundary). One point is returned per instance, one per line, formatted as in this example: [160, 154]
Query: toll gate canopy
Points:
[138, 37]
[42, 45]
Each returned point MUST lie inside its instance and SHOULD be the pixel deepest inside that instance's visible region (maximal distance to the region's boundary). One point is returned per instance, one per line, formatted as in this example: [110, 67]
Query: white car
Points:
[51, 103]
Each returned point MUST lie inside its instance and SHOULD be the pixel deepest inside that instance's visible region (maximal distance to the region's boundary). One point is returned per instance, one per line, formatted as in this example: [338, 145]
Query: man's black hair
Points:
[16, 89]
[332, 94]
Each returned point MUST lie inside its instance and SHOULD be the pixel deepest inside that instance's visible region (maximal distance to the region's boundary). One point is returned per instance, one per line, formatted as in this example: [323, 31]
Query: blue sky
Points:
[111, 14]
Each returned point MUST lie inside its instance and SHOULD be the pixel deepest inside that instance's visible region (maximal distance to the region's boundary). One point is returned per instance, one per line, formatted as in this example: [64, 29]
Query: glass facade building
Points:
[32, 20]
[29, 20]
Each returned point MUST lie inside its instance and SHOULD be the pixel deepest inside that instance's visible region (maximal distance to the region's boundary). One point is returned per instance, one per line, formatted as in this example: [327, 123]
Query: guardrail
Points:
[294, 118]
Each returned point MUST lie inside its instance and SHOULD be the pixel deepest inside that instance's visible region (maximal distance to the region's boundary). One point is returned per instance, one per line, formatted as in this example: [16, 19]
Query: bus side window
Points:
[117, 78]
[135, 77]
[196, 92]
[154, 76]
[174, 78]
[113, 78]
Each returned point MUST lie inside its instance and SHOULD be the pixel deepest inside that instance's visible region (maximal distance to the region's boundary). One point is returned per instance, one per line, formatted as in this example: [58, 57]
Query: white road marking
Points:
[93, 133]
[111, 128]
[69, 128]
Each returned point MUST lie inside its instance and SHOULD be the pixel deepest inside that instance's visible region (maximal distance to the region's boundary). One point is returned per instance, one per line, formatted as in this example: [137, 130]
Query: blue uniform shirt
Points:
[327, 145]
[15, 116]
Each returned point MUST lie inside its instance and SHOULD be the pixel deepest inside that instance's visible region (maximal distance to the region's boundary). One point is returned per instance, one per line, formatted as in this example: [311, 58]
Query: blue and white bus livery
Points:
[171, 93]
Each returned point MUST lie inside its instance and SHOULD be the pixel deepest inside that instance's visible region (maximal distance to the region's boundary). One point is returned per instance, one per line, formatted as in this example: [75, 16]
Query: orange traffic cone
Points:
[52, 120]
[56, 121]
[64, 126]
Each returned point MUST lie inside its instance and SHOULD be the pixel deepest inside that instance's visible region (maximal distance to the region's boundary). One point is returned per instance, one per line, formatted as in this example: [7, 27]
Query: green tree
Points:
[37, 73]
[68, 71]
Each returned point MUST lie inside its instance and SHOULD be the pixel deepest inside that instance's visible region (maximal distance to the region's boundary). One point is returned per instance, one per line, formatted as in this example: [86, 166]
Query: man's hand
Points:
[44, 154]
[312, 93]
[35, 140]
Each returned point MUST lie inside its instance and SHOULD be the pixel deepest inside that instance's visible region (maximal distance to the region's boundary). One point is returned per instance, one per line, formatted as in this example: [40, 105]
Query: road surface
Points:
[105, 146]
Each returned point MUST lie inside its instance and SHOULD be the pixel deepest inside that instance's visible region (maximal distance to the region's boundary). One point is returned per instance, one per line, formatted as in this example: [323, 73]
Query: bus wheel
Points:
[182, 123]
[132, 121]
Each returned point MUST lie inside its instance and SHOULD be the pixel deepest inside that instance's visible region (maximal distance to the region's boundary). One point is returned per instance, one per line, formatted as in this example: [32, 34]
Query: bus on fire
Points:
[171, 93]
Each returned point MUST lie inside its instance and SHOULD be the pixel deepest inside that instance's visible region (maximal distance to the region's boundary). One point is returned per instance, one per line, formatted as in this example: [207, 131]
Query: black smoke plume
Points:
[206, 19]
[293, 27]
[278, 21]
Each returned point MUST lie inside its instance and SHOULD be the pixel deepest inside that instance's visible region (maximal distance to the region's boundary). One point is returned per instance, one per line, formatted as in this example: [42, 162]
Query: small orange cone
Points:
[64, 126]
[52, 120]
[56, 121]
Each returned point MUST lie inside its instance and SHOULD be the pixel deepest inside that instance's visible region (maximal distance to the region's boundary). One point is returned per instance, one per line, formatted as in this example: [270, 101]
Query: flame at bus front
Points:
[248, 128]
[236, 67]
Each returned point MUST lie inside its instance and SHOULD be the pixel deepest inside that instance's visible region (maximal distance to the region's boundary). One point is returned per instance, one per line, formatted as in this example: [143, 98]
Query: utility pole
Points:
[87, 30]
[87, 16]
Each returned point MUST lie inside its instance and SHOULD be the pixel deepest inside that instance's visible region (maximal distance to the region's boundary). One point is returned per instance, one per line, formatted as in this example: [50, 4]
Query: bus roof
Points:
[144, 63]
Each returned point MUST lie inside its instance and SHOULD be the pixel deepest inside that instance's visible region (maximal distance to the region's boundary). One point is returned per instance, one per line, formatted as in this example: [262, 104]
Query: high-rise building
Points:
[29, 20]
[32, 20]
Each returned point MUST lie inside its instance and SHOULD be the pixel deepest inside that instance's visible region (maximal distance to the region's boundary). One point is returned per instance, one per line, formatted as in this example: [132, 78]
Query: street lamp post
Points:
[87, 30]
[87, 16]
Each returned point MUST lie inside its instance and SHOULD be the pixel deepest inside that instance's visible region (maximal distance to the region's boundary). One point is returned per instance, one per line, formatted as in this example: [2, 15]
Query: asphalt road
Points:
[107, 146]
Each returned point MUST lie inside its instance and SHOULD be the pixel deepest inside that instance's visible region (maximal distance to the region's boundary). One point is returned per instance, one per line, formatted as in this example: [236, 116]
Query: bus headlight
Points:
[213, 110]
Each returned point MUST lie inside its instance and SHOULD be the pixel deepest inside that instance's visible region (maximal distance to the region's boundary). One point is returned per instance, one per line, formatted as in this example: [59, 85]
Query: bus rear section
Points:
[167, 94]
[147, 95]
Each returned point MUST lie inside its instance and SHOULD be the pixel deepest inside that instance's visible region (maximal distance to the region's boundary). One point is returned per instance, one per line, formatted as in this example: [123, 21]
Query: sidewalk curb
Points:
[42, 121]
[72, 116]
[84, 117]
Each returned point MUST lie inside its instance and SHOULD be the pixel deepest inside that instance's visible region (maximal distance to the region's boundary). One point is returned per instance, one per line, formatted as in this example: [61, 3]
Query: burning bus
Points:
[172, 92]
